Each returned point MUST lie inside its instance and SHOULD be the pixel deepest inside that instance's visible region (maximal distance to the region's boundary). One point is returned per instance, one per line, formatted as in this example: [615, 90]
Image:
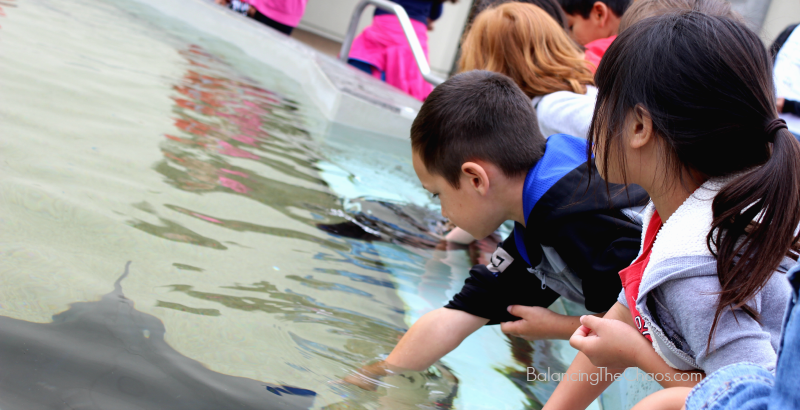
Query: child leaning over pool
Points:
[686, 109]
[476, 145]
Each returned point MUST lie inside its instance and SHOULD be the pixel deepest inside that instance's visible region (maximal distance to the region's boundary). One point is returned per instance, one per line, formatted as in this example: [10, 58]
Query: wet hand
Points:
[367, 377]
[607, 342]
[358, 379]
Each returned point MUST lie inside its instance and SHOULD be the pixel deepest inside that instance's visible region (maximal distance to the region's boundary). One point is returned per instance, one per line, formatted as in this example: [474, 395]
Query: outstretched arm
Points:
[434, 335]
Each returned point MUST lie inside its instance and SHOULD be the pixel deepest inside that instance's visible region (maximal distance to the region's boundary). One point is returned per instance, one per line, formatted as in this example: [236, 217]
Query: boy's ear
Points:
[600, 14]
[641, 128]
[477, 175]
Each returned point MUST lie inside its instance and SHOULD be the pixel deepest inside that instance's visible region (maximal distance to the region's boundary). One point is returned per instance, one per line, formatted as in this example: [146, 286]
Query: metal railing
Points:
[408, 29]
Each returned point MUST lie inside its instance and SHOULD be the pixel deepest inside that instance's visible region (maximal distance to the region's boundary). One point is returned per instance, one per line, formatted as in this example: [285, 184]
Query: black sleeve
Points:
[792, 107]
[490, 289]
[596, 246]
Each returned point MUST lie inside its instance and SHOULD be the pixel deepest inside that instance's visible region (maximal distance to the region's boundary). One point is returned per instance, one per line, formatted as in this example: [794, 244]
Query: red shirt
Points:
[632, 275]
[596, 49]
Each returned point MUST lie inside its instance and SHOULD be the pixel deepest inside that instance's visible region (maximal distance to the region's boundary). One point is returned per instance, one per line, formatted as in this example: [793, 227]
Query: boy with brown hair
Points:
[477, 146]
[594, 24]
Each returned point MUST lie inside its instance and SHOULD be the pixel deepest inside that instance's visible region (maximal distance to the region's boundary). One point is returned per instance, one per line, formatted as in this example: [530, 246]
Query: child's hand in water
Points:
[368, 377]
[608, 342]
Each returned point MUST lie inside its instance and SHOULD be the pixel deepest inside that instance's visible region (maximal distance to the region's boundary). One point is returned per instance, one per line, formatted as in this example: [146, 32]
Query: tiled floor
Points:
[319, 43]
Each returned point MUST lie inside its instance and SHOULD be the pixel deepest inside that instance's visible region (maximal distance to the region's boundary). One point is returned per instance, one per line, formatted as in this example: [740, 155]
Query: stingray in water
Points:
[387, 221]
[107, 355]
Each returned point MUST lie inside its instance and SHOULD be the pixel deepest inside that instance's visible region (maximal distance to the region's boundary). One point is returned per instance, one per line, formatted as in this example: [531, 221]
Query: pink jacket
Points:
[288, 12]
[383, 45]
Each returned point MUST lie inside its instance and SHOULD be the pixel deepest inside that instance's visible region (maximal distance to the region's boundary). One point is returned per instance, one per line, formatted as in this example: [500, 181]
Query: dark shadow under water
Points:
[107, 355]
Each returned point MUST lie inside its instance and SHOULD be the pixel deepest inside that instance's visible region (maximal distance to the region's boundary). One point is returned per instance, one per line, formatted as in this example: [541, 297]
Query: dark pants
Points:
[365, 67]
[283, 28]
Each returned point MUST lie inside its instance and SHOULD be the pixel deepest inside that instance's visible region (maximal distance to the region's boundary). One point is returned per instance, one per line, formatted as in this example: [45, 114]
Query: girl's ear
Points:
[640, 127]
[477, 175]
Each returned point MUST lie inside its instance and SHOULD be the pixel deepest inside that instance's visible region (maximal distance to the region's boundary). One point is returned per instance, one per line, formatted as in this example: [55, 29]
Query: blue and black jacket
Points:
[577, 237]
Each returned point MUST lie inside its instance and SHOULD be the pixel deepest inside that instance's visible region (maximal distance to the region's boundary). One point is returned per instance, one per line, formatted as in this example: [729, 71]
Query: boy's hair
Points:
[523, 42]
[584, 7]
[477, 115]
[642, 9]
[551, 7]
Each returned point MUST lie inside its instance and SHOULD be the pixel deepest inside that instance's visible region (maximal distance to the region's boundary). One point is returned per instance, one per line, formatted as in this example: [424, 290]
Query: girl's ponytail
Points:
[706, 83]
[763, 206]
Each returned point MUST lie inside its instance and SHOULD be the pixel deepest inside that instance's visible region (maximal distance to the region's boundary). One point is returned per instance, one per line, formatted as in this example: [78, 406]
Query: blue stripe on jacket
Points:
[562, 154]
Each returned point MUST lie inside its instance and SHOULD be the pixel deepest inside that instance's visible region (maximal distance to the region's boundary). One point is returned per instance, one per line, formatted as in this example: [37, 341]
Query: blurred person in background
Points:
[525, 43]
[282, 15]
[642, 9]
[594, 24]
[786, 53]
[382, 50]
[551, 7]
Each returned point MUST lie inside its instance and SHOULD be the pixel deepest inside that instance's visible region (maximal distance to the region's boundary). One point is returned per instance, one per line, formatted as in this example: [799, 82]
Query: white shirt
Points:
[787, 76]
[565, 112]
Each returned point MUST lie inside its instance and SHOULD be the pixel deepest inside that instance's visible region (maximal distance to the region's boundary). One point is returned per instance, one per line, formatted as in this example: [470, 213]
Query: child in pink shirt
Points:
[595, 50]
[383, 51]
[594, 24]
[282, 15]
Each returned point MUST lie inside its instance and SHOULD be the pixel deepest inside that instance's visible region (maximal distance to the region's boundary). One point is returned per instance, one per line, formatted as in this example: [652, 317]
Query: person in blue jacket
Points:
[477, 146]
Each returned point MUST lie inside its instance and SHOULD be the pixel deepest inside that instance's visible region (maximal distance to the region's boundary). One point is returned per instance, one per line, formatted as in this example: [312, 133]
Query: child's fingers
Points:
[592, 322]
[583, 338]
[579, 342]
[521, 311]
[582, 331]
[516, 310]
[511, 328]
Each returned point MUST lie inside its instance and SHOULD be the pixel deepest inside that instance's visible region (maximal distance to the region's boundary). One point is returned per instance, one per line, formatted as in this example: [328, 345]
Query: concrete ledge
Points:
[343, 94]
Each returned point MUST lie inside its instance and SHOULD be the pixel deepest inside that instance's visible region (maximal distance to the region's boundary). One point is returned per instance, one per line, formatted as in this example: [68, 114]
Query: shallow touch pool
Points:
[271, 251]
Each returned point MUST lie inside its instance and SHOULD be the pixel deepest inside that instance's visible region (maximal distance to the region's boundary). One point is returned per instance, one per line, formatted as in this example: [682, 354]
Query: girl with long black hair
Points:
[686, 109]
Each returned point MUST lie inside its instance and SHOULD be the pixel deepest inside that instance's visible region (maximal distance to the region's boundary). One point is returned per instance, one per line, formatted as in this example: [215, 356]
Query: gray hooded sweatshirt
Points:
[677, 296]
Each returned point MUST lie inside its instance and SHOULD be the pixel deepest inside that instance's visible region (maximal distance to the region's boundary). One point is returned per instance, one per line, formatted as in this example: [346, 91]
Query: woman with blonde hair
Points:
[525, 43]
